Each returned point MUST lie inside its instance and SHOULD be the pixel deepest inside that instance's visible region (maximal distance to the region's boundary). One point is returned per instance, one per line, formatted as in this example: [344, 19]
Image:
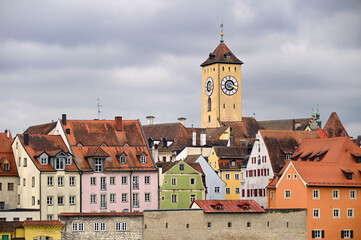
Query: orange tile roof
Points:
[229, 206]
[43, 223]
[285, 124]
[7, 156]
[334, 127]
[51, 144]
[219, 56]
[280, 143]
[41, 129]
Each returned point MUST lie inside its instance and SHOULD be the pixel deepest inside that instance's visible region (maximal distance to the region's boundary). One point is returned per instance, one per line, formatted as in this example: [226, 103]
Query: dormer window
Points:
[6, 166]
[244, 206]
[123, 159]
[181, 167]
[143, 158]
[233, 163]
[43, 159]
[348, 174]
[60, 163]
[357, 157]
[68, 161]
[126, 145]
[104, 145]
[288, 157]
[217, 206]
[79, 144]
[98, 162]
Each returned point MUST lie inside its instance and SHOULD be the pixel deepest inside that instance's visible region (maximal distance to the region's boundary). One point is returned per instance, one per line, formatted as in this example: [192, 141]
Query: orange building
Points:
[323, 176]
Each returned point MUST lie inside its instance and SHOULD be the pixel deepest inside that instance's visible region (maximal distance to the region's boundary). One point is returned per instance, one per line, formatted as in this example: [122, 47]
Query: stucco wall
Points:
[193, 224]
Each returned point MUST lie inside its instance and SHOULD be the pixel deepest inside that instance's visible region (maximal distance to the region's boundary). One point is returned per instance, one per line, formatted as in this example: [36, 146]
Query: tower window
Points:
[224, 105]
[234, 106]
[209, 104]
[235, 69]
[222, 68]
[209, 118]
[229, 68]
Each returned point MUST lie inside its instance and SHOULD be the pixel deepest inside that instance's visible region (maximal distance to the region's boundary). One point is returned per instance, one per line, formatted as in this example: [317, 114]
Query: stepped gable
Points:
[229, 206]
[41, 129]
[221, 54]
[92, 138]
[50, 144]
[7, 160]
[337, 158]
[334, 127]
[298, 124]
[281, 143]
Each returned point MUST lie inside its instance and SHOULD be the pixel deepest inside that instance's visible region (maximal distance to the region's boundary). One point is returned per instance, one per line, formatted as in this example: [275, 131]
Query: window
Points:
[147, 197]
[33, 182]
[103, 201]
[209, 104]
[209, 118]
[316, 213]
[272, 194]
[316, 194]
[135, 200]
[237, 190]
[216, 189]
[248, 224]
[72, 181]
[102, 227]
[349, 212]
[60, 181]
[112, 198]
[143, 158]
[135, 182]
[72, 200]
[124, 197]
[19, 161]
[229, 224]
[346, 233]
[193, 181]
[288, 176]
[233, 163]
[121, 226]
[352, 194]
[103, 183]
[112, 180]
[318, 234]
[25, 162]
[124, 180]
[24, 181]
[49, 217]
[59, 163]
[174, 181]
[98, 164]
[294, 176]
[174, 198]
[50, 181]
[6, 167]
[336, 213]
[335, 194]
[96, 227]
[19, 199]
[228, 190]
[215, 164]
[193, 197]
[43, 160]
[10, 186]
[227, 176]
[49, 200]
[209, 224]
[147, 180]
[236, 176]
[288, 157]
[123, 159]
[60, 200]
[93, 198]
[93, 181]
[181, 167]
[287, 194]
[68, 161]
[33, 200]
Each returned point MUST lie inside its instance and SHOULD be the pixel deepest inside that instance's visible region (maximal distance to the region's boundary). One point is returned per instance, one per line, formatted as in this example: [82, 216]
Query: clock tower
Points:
[221, 87]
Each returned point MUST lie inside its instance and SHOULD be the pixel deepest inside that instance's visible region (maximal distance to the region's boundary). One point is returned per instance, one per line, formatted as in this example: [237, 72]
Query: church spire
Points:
[222, 41]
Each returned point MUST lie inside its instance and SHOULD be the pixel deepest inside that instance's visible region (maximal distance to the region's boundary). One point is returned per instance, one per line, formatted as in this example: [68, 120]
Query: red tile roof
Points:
[229, 206]
[101, 214]
[280, 143]
[219, 56]
[10, 226]
[225, 164]
[7, 156]
[43, 223]
[230, 152]
[334, 127]
[51, 144]
[247, 128]
[285, 124]
[41, 129]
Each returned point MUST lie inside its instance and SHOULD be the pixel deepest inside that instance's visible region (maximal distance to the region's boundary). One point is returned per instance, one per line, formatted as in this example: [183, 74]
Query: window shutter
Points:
[342, 234]
[351, 233]
[323, 234]
[313, 234]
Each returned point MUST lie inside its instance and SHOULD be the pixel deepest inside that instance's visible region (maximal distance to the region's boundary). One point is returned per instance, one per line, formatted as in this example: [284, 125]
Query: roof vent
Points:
[67, 131]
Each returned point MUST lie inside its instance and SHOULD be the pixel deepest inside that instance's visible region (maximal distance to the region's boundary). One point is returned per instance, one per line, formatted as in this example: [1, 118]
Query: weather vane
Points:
[99, 106]
[222, 32]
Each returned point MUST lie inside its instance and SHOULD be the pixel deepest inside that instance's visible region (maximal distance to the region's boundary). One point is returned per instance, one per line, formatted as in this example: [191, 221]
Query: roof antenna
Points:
[99, 106]
[222, 41]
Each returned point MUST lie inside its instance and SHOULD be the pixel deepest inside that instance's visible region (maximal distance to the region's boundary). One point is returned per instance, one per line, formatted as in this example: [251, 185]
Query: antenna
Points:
[99, 106]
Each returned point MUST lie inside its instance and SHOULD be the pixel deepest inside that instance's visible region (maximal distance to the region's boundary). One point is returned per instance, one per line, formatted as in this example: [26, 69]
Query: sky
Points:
[142, 58]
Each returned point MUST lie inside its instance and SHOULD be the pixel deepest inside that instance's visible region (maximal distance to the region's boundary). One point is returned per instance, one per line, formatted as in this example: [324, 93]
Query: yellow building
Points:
[228, 163]
[221, 87]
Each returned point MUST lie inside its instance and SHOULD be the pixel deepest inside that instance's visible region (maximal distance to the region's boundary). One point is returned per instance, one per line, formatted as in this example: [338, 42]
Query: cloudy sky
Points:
[142, 58]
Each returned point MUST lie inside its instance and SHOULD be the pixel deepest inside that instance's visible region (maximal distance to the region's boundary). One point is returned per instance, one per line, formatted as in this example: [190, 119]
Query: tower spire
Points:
[222, 41]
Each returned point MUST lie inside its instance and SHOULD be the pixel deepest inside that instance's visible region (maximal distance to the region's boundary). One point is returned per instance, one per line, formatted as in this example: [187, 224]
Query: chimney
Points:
[165, 145]
[294, 125]
[7, 133]
[182, 120]
[119, 123]
[26, 139]
[63, 119]
[150, 119]
[203, 139]
[231, 141]
[194, 138]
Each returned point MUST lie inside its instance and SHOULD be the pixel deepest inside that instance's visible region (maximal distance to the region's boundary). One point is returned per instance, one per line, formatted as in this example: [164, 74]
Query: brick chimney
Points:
[119, 123]
[26, 139]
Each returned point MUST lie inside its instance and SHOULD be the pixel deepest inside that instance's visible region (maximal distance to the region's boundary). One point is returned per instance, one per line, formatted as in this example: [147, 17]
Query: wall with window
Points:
[8, 192]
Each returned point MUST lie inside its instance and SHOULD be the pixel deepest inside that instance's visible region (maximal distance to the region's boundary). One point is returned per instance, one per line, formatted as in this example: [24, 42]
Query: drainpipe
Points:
[81, 192]
[39, 194]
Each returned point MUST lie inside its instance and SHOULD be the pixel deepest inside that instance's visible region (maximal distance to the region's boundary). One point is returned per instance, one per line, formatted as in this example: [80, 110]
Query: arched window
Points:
[209, 104]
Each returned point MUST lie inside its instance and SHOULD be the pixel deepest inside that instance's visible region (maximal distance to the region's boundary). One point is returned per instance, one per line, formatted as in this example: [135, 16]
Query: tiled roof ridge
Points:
[285, 119]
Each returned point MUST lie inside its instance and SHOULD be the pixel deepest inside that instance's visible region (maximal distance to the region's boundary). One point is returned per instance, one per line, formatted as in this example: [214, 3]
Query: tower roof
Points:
[221, 54]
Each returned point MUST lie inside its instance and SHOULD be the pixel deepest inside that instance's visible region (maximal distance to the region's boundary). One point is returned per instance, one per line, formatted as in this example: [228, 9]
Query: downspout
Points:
[39, 194]
[81, 192]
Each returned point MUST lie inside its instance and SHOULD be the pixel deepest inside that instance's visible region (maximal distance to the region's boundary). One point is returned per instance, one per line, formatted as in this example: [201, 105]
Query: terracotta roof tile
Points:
[43, 223]
[229, 206]
[285, 124]
[10, 226]
[231, 152]
[41, 129]
[334, 127]
[219, 55]
[7, 156]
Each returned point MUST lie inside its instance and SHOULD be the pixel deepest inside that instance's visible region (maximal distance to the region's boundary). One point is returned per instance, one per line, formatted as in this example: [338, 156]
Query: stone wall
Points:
[195, 224]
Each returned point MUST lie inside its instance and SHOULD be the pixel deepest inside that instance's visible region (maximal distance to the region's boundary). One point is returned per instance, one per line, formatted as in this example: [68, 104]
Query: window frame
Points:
[287, 194]
[318, 194]
[316, 213]
[336, 213]
[335, 192]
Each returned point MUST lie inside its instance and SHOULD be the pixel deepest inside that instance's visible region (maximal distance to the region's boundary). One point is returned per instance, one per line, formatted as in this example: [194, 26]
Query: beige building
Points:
[49, 178]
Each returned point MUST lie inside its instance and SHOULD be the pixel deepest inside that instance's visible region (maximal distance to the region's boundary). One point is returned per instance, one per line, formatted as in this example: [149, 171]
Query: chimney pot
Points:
[63, 119]
[119, 123]
[182, 120]
[26, 139]
[150, 119]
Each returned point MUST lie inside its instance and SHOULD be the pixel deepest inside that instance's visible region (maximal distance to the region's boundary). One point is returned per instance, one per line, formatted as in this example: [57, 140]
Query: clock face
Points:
[209, 86]
[229, 85]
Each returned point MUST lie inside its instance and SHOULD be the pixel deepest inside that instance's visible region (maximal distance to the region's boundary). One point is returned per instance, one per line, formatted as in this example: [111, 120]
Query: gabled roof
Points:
[334, 127]
[285, 124]
[7, 156]
[280, 143]
[41, 129]
[219, 55]
[229, 206]
[166, 166]
[330, 170]
[51, 144]
[247, 128]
